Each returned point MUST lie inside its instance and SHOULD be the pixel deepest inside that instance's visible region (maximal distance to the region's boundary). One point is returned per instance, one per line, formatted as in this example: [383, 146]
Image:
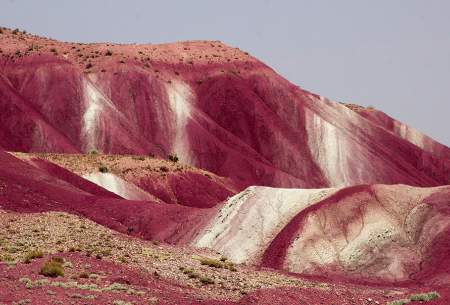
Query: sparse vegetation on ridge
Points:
[427, 296]
[422, 297]
[68, 234]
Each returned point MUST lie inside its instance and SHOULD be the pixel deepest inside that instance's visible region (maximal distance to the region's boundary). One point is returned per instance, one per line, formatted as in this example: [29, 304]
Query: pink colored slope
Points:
[27, 189]
[214, 106]
[419, 217]
[406, 132]
[396, 234]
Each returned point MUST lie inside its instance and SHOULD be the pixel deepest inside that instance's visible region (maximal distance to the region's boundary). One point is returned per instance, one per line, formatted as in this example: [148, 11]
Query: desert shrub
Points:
[93, 152]
[52, 268]
[163, 169]
[222, 263]
[32, 255]
[173, 158]
[58, 259]
[206, 280]
[6, 258]
[103, 169]
[120, 302]
[190, 273]
[211, 262]
[33, 47]
[399, 302]
[428, 296]
[16, 31]
[12, 249]
[83, 275]
[193, 275]
[106, 252]
[89, 65]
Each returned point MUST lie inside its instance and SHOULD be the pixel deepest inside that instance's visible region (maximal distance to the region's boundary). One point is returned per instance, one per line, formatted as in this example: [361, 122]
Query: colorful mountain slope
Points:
[280, 196]
[213, 106]
[376, 233]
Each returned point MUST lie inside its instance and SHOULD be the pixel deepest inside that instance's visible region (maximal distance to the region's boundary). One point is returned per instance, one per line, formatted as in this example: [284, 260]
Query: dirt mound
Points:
[374, 233]
[137, 177]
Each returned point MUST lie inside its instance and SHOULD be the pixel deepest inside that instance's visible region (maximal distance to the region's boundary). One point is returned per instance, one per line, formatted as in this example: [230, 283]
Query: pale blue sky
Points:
[392, 54]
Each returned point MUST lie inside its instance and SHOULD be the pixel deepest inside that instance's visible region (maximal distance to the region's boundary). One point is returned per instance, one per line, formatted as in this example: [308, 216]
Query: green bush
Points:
[222, 263]
[32, 255]
[190, 273]
[422, 297]
[428, 296]
[399, 302]
[52, 268]
[206, 280]
[211, 262]
[58, 259]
